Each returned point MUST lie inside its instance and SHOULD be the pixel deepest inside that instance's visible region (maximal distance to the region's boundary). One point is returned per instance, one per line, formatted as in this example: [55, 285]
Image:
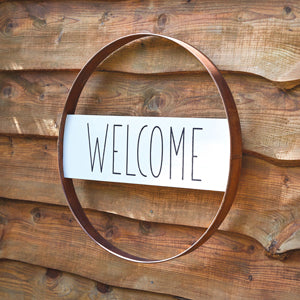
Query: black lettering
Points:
[138, 151]
[162, 151]
[101, 159]
[127, 142]
[172, 139]
[193, 155]
[114, 150]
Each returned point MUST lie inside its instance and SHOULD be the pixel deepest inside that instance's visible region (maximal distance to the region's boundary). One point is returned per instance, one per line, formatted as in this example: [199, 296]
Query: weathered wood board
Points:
[24, 281]
[32, 103]
[266, 207]
[246, 36]
[228, 265]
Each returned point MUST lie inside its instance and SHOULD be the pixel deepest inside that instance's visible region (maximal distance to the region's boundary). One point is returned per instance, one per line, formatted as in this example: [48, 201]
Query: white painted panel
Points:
[176, 152]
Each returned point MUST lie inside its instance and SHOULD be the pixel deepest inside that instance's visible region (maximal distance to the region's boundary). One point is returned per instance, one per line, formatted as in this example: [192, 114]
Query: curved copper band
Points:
[235, 142]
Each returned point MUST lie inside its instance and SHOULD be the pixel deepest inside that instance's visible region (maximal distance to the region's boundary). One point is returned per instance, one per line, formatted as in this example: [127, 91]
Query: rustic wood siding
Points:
[45, 254]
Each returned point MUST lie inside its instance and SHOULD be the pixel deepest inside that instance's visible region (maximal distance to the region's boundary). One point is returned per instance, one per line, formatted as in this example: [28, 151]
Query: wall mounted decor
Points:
[75, 133]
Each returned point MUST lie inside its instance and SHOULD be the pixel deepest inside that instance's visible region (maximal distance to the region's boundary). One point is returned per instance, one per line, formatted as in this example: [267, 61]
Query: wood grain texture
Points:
[228, 265]
[266, 205]
[43, 44]
[32, 103]
[24, 281]
[248, 36]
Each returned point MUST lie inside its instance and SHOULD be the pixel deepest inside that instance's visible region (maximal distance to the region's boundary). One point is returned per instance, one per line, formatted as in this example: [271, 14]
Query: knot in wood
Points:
[7, 91]
[103, 288]
[161, 21]
[36, 214]
[145, 227]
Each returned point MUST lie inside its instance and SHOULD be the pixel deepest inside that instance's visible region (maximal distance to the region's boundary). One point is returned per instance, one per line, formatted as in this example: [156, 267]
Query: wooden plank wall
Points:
[44, 253]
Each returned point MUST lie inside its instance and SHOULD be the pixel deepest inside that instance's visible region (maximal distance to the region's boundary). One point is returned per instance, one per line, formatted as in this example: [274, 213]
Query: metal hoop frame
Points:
[235, 145]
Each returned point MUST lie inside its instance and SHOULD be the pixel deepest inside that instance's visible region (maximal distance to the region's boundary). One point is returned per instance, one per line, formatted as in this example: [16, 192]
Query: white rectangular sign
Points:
[176, 152]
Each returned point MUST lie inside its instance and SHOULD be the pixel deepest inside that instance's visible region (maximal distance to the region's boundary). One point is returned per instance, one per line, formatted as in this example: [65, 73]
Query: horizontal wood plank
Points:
[266, 207]
[25, 281]
[32, 103]
[249, 36]
[228, 264]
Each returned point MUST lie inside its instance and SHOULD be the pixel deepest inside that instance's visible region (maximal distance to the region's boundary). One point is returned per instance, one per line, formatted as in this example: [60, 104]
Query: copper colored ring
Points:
[235, 145]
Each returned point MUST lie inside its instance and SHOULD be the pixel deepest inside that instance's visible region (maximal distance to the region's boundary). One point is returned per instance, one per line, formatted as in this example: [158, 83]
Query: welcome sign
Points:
[194, 153]
[175, 152]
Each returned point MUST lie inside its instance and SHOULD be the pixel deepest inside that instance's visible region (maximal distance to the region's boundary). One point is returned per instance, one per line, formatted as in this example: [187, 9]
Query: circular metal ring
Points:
[235, 145]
